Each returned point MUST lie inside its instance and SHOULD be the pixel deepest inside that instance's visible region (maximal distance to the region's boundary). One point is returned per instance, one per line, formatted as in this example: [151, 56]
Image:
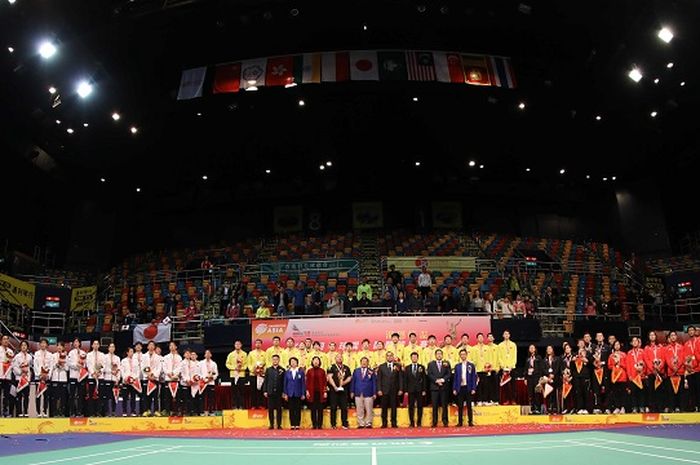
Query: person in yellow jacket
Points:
[394, 346]
[237, 362]
[480, 355]
[411, 347]
[288, 352]
[507, 358]
[379, 354]
[450, 352]
[257, 360]
[316, 352]
[365, 352]
[275, 349]
[330, 355]
[349, 357]
[464, 344]
[428, 352]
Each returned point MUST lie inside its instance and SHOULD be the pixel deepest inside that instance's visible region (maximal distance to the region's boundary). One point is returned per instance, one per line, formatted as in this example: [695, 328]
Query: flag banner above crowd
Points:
[17, 291]
[83, 298]
[333, 264]
[355, 65]
[157, 333]
[343, 330]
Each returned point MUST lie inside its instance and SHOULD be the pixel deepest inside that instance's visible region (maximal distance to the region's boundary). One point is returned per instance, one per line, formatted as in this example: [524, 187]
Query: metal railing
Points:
[48, 322]
[687, 310]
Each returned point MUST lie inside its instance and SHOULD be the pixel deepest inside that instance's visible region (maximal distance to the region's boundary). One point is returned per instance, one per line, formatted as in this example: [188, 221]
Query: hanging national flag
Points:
[448, 67]
[280, 71]
[173, 385]
[22, 383]
[421, 66]
[335, 66]
[227, 78]
[146, 333]
[363, 65]
[152, 386]
[476, 71]
[41, 388]
[253, 73]
[192, 83]
[501, 72]
[392, 66]
[307, 68]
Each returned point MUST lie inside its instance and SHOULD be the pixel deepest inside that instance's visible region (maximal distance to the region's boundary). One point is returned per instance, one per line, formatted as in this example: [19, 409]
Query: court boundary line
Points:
[126, 457]
[675, 449]
[97, 454]
[600, 446]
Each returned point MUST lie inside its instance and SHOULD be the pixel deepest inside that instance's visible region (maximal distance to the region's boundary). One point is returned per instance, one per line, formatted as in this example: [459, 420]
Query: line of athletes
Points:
[79, 383]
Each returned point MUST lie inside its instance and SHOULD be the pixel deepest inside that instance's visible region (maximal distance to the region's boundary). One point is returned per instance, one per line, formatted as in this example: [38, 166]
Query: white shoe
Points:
[596, 411]
[622, 410]
[583, 411]
[607, 411]
[646, 409]
[616, 411]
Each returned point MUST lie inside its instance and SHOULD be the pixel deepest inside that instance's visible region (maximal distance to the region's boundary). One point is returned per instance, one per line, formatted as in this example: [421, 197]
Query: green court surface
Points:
[585, 448]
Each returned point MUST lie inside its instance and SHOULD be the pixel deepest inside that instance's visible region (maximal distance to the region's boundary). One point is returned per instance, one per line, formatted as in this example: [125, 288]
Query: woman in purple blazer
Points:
[294, 391]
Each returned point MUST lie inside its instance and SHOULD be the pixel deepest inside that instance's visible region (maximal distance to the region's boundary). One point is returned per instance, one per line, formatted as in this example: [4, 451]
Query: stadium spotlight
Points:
[47, 49]
[84, 89]
[417, 163]
[138, 189]
[103, 180]
[415, 99]
[116, 116]
[11, 49]
[52, 90]
[267, 171]
[656, 81]
[329, 163]
[605, 179]
[134, 129]
[598, 118]
[205, 177]
[301, 102]
[85, 125]
[635, 74]
[472, 163]
[58, 121]
[614, 178]
[322, 167]
[527, 170]
[562, 171]
[364, 27]
[669, 65]
[588, 176]
[70, 131]
[682, 83]
[653, 114]
[521, 105]
[481, 167]
[665, 34]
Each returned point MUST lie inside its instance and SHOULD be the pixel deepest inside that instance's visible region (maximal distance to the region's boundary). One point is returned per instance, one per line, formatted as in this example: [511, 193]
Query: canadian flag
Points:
[152, 332]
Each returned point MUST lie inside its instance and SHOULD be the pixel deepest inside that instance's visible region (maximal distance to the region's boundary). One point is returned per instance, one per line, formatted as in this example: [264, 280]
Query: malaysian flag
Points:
[421, 66]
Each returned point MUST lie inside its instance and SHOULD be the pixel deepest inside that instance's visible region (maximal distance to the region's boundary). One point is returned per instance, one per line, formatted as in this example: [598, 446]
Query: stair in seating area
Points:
[470, 246]
[369, 260]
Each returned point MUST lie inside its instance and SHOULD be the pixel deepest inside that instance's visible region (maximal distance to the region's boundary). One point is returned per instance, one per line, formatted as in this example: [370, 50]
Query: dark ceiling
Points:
[570, 58]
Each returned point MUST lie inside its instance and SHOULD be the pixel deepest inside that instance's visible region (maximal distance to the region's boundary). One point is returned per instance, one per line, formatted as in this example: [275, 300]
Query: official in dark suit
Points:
[294, 391]
[414, 383]
[273, 388]
[533, 372]
[439, 376]
[339, 376]
[389, 388]
[464, 387]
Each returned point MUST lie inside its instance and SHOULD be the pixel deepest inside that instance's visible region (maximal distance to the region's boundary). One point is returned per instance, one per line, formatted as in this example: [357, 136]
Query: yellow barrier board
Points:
[250, 419]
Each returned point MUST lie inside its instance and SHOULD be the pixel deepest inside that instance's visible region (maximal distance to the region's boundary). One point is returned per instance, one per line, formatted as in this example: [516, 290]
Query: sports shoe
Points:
[616, 411]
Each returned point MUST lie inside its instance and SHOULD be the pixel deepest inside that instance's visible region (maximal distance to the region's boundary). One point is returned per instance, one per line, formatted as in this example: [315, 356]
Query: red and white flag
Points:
[335, 67]
[173, 385]
[280, 71]
[448, 67]
[227, 78]
[5, 369]
[41, 388]
[82, 374]
[22, 383]
[115, 393]
[363, 65]
[152, 386]
[152, 332]
[421, 66]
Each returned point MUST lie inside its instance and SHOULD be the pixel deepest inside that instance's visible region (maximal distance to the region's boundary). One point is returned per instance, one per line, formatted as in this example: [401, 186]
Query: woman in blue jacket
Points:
[294, 391]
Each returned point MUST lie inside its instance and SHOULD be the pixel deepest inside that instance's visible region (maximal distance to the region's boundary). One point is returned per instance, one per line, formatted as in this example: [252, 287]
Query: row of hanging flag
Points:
[355, 65]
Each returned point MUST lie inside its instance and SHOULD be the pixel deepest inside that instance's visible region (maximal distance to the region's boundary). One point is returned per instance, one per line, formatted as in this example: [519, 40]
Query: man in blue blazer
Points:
[294, 391]
[363, 388]
[464, 386]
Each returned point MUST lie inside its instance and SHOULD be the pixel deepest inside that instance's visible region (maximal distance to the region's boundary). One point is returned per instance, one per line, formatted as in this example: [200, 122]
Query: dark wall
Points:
[642, 220]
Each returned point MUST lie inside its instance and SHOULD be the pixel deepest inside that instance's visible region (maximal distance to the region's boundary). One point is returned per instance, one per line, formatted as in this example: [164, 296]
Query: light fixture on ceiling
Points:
[635, 74]
[665, 34]
[47, 49]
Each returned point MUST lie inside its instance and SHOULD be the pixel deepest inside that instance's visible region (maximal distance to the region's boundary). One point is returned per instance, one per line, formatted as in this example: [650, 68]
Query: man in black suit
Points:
[389, 388]
[272, 390]
[414, 383]
[439, 375]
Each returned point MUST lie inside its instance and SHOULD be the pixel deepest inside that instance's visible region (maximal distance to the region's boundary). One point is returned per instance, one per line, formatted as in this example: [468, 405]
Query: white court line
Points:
[117, 459]
[68, 459]
[636, 452]
[651, 447]
[374, 456]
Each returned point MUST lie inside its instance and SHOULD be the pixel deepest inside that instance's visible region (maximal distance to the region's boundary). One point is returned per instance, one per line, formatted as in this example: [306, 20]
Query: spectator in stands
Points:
[334, 305]
[590, 310]
[489, 304]
[280, 301]
[415, 302]
[463, 302]
[233, 310]
[514, 285]
[206, 264]
[318, 298]
[401, 303]
[425, 282]
[391, 289]
[388, 302]
[548, 298]
[349, 301]
[226, 293]
[504, 307]
[309, 306]
[602, 306]
[430, 304]
[263, 309]
[364, 302]
[376, 300]
[529, 307]
[477, 302]
[299, 299]
[395, 276]
[446, 303]
[519, 307]
[171, 305]
[364, 288]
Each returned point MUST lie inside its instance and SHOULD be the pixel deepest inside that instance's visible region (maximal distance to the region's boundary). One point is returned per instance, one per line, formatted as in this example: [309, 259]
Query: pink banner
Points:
[342, 330]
